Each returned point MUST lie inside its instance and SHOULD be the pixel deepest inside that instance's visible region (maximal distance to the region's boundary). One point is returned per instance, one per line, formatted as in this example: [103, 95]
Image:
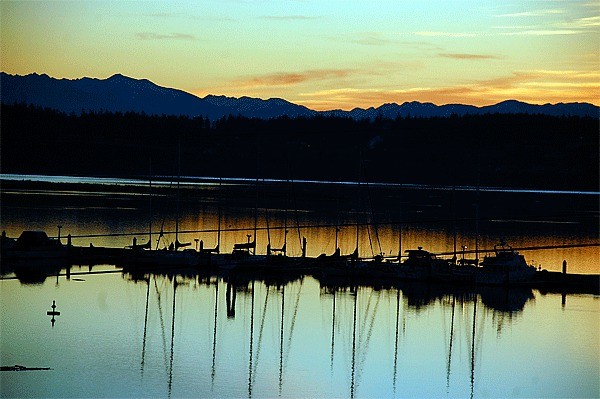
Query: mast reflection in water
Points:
[182, 334]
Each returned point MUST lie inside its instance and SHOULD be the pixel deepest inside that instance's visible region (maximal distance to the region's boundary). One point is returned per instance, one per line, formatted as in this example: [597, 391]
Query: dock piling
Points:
[304, 247]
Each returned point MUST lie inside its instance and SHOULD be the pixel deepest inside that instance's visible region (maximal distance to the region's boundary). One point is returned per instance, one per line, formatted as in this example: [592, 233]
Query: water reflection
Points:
[204, 331]
[53, 313]
[271, 305]
[184, 331]
[398, 218]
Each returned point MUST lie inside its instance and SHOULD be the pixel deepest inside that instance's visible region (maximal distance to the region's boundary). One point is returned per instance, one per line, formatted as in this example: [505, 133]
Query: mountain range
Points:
[120, 93]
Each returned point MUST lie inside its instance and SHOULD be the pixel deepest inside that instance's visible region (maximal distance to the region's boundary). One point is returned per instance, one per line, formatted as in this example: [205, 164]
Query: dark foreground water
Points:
[187, 335]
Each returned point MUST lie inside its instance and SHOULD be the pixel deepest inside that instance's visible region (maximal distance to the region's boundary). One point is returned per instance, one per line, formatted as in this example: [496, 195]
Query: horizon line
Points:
[167, 180]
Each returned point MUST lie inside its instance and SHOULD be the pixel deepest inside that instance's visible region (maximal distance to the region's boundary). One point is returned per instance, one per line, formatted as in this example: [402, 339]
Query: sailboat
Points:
[348, 266]
[143, 256]
[245, 259]
[243, 253]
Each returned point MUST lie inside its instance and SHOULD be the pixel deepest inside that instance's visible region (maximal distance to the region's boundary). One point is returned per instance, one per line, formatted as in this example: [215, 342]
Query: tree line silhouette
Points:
[527, 151]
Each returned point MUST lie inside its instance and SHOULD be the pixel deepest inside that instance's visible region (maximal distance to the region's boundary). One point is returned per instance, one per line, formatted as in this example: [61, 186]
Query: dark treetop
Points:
[505, 150]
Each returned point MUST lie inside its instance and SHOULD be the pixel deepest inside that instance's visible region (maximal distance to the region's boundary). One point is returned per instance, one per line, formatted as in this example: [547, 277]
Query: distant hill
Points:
[116, 93]
[258, 108]
[417, 109]
[413, 108]
[119, 93]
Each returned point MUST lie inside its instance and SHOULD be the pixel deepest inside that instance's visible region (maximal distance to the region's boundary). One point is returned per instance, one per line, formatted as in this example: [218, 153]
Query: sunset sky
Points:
[322, 54]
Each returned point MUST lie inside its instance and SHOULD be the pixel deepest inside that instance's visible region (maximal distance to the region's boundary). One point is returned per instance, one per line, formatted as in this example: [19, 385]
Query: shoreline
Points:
[195, 181]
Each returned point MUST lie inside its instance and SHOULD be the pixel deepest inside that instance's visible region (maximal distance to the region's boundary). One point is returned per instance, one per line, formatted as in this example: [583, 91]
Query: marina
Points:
[243, 321]
[302, 199]
[33, 257]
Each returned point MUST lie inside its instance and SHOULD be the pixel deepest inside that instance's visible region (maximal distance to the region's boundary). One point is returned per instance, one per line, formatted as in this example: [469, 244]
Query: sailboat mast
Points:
[477, 210]
[477, 226]
[359, 202]
[285, 218]
[256, 199]
[400, 228]
[219, 221]
[400, 240]
[357, 231]
[256, 210]
[150, 197]
[178, 178]
[454, 218]
[267, 220]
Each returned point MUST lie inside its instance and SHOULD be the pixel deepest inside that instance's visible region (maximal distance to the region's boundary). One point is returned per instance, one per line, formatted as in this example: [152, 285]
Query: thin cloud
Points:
[374, 68]
[569, 27]
[286, 78]
[371, 39]
[537, 13]
[593, 75]
[446, 34]
[267, 84]
[290, 17]
[380, 39]
[543, 32]
[532, 86]
[593, 4]
[168, 15]
[582, 23]
[515, 27]
[158, 15]
[464, 56]
[162, 36]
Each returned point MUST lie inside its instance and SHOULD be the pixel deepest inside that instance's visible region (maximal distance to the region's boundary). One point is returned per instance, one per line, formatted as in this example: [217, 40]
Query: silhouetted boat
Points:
[33, 256]
[32, 246]
[505, 267]
[422, 265]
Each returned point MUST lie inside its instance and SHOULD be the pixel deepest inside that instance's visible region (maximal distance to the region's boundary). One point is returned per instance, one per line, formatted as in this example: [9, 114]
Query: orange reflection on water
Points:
[401, 219]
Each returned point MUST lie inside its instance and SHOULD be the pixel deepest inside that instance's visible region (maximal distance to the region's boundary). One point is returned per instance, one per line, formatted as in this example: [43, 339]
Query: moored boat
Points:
[33, 256]
[33, 246]
[423, 265]
[505, 267]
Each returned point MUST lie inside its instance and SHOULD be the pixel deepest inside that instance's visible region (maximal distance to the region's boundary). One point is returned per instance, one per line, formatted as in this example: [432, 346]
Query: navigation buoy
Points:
[53, 313]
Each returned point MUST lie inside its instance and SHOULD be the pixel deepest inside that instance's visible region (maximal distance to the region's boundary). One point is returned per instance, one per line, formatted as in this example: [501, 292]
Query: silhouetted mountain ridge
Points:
[120, 93]
[259, 108]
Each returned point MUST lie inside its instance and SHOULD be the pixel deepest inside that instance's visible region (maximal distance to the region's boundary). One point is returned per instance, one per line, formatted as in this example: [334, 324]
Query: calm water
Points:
[184, 335]
[294, 340]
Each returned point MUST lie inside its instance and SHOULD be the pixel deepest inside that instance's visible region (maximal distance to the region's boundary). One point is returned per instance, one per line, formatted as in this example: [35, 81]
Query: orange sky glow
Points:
[321, 54]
